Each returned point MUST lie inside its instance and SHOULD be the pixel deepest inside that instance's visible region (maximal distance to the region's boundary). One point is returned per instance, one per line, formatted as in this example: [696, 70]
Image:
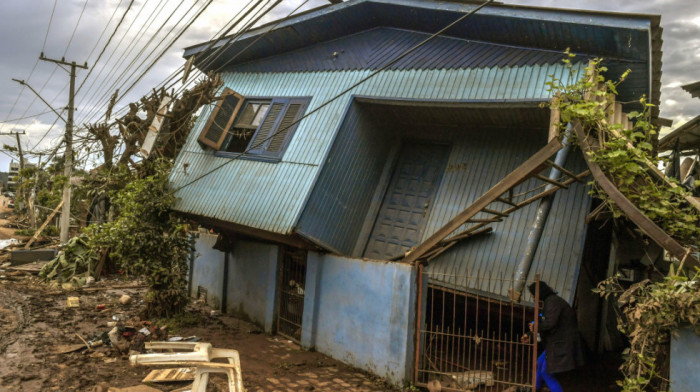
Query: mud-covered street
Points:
[35, 323]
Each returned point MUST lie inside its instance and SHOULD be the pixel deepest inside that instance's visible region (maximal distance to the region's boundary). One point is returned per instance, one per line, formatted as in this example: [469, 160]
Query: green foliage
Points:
[146, 240]
[623, 153]
[651, 311]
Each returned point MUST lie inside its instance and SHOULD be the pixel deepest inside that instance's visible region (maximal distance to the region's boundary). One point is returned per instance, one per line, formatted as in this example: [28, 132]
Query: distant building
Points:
[10, 184]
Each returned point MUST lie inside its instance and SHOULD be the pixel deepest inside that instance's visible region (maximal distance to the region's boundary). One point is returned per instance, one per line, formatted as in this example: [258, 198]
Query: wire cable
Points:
[76, 28]
[21, 91]
[345, 91]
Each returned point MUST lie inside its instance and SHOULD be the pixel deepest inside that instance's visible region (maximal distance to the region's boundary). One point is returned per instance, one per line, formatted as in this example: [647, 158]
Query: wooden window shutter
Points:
[286, 126]
[260, 141]
[221, 119]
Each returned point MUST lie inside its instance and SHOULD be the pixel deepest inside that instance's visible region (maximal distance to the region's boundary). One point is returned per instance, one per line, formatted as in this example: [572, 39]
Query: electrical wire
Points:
[21, 91]
[126, 70]
[76, 28]
[118, 45]
[345, 91]
[232, 39]
[26, 117]
[109, 40]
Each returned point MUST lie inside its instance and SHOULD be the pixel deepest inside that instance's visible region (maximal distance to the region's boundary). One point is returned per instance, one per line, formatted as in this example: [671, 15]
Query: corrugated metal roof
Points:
[270, 196]
[373, 48]
[616, 36]
[490, 156]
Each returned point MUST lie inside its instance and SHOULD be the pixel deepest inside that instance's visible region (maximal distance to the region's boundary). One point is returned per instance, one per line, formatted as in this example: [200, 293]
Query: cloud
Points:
[24, 29]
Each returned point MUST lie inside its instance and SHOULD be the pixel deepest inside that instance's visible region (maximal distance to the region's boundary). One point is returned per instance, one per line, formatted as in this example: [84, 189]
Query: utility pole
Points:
[68, 157]
[19, 150]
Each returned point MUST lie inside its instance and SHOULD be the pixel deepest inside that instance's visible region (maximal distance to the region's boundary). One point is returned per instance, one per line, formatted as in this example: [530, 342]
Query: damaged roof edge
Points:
[573, 16]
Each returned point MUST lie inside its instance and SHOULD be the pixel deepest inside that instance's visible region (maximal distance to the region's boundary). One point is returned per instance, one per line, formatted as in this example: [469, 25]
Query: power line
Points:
[109, 40]
[25, 117]
[125, 70]
[353, 86]
[118, 44]
[232, 40]
[76, 28]
[33, 68]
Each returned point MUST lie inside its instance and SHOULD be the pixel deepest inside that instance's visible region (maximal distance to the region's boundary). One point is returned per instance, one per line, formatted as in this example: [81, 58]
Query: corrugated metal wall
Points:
[338, 205]
[271, 196]
[487, 157]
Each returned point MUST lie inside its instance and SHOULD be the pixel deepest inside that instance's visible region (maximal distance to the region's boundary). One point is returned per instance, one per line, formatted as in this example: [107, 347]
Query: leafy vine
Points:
[650, 311]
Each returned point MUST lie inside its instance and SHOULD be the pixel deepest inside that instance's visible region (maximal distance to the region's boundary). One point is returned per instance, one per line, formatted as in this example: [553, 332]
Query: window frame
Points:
[216, 145]
[262, 154]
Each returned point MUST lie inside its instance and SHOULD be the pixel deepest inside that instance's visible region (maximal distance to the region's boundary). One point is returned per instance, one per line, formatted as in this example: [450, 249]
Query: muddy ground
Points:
[35, 319]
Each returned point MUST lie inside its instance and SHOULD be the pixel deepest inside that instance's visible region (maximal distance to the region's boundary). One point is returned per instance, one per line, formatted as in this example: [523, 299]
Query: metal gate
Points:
[291, 293]
[469, 340]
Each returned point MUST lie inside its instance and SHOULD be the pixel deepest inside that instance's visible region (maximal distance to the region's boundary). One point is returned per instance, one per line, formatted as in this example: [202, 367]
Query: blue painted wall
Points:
[362, 313]
[685, 361]
[252, 282]
[208, 269]
[252, 278]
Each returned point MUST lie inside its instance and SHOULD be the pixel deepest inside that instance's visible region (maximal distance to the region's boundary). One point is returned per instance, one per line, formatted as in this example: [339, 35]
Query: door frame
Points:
[383, 188]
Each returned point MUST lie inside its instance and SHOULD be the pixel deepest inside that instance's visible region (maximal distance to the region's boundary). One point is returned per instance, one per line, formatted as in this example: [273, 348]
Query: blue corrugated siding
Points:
[374, 48]
[271, 196]
[488, 157]
[346, 185]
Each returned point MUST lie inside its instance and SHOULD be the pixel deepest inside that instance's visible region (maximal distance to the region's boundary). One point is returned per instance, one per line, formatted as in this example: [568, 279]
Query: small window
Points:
[259, 127]
[245, 126]
[215, 130]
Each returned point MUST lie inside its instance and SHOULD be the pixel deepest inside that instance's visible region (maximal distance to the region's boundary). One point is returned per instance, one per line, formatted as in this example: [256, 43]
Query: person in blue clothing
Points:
[558, 330]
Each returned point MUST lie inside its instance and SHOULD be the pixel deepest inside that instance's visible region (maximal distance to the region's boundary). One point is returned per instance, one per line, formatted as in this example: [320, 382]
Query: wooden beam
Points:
[549, 180]
[492, 220]
[494, 212]
[548, 192]
[515, 177]
[554, 118]
[504, 201]
[43, 225]
[561, 169]
[633, 213]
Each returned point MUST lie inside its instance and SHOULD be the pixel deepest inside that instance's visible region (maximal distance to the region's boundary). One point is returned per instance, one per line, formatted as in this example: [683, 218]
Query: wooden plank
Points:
[554, 118]
[561, 169]
[494, 212]
[549, 191]
[504, 201]
[549, 180]
[633, 213]
[515, 177]
[43, 225]
[491, 220]
[170, 375]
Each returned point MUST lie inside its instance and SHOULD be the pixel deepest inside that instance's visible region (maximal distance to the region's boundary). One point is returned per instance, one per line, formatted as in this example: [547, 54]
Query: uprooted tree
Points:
[133, 228]
[650, 310]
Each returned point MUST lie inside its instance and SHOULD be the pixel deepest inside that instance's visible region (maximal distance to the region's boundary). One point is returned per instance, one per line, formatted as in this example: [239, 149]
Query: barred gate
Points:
[291, 292]
[469, 340]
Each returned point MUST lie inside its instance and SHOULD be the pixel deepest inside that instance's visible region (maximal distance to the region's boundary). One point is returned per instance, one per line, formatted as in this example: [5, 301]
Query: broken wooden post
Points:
[43, 225]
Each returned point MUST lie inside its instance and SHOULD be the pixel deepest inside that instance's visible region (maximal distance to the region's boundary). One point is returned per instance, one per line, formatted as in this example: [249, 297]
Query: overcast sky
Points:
[79, 30]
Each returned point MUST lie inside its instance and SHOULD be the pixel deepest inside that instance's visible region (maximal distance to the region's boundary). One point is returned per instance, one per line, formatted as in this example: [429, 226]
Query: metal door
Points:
[407, 200]
[291, 293]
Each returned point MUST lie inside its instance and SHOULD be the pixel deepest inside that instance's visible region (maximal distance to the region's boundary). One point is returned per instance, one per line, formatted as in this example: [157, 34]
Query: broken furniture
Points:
[198, 355]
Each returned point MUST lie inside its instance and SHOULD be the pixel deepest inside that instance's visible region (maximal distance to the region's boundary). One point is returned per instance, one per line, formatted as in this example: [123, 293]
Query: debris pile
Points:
[73, 266]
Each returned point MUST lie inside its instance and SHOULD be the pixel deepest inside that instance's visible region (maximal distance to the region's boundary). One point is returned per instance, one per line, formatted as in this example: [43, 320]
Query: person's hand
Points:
[531, 326]
[525, 338]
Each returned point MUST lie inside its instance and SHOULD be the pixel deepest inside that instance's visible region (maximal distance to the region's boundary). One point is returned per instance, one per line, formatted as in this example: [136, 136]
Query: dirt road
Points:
[34, 319]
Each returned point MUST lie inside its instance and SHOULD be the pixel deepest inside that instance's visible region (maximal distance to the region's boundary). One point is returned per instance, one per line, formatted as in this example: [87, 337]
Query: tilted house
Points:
[327, 160]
